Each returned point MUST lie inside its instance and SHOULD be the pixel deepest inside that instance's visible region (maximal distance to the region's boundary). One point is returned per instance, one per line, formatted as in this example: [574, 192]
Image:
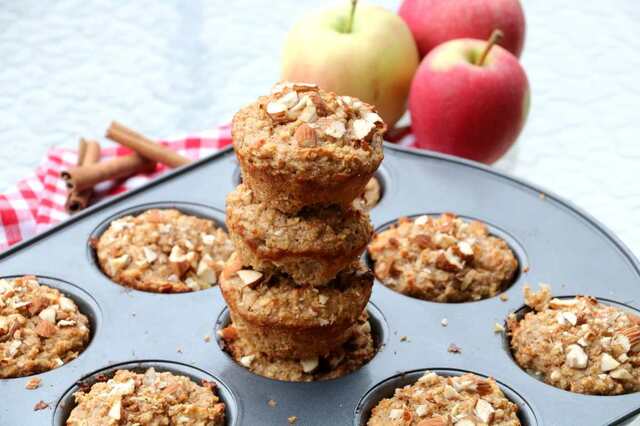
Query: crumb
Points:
[207, 338]
[33, 383]
[444, 322]
[40, 405]
[541, 196]
[504, 297]
[292, 420]
[498, 328]
[525, 269]
[272, 403]
[454, 349]
[404, 339]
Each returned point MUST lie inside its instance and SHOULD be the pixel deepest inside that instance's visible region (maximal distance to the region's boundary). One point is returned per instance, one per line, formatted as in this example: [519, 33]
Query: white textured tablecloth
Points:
[69, 67]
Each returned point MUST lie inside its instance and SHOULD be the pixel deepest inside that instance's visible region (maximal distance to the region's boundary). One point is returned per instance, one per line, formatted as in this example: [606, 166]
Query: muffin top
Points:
[354, 353]
[434, 400]
[578, 344]
[299, 128]
[319, 232]
[275, 299]
[149, 399]
[40, 328]
[164, 251]
[444, 259]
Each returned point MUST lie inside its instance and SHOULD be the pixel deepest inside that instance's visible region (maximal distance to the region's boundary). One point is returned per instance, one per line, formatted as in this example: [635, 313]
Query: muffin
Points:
[40, 328]
[466, 400]
[443, 259]
[311, 247]
[281, 318]
[163, 251]
[302, 146]
[351, 355]
[577, 344]
[149, 399]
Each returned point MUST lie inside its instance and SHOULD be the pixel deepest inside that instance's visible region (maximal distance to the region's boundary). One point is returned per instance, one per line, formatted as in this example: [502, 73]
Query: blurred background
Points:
[167, 68]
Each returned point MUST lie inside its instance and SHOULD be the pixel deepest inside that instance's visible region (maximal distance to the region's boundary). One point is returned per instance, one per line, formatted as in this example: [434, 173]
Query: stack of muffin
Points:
[295, 286]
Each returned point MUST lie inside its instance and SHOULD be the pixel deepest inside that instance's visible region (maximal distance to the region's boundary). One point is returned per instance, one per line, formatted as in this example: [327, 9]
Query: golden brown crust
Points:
[163, 251]
[578, 344]
[283, 318]
[287, 168]
[149, 399]
[446, 401]
[312, 246]
[357, 350]
[40, 328]
[443, 259]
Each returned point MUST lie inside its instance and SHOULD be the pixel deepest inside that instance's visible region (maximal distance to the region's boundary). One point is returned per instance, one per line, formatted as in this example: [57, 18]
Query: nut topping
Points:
[249, 276]
[608, 363]
[277, 111]
[309, 364]
[306, 136]
[484, 410]
[576, 357]
[362, 129]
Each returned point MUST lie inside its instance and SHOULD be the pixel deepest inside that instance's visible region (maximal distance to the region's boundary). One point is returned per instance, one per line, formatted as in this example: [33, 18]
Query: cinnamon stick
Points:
[145, 147]
[88, 153]
[83, 177]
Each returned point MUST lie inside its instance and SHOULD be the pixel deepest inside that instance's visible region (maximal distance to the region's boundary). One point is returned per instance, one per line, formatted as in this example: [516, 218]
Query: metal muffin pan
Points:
[559, 243]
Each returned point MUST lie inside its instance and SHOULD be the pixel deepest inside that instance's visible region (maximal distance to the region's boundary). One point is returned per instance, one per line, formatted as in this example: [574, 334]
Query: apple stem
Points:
[352, 15]
[495, 38]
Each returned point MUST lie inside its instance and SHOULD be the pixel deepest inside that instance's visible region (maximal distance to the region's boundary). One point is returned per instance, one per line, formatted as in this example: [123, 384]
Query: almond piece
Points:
[33, 383]
[277, 111]
[464, 250]
[576, 357]
[115, 411]
[623, 342]
[633, 334]
[621, 374]
[149, 254]
[484, 410]
[66, 304]
[308, 115]
[362, 129]
[396, 413]
[373, 118]
[447, 261]
[38, 304]
[45, 328]
[335, 129]
[422, 410]
[608, 363]
[484, 387]
[249, 276]
[247, 360]
[48, 314]
[306, 136]
[289, 99]
[421, 220]
[321, 107]
[562, 303]
[309, 364]
[208, 239]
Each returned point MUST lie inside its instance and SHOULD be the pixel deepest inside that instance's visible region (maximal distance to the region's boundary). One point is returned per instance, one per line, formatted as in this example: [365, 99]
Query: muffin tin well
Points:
[515, 246]
[67, 402]
[386, 389]
[560, 244]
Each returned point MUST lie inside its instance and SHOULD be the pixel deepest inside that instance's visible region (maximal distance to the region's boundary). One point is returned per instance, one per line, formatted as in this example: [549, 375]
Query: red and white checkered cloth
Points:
[37, 202]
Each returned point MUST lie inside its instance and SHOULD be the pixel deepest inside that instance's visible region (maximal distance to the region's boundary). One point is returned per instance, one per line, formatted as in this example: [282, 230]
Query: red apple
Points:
[466, 105]
[433, 22]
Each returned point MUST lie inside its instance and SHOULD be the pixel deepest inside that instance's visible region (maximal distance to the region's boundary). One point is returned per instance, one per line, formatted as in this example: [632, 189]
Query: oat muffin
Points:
[312, 246]
[149, 399]
[163, 251]
[369, 197]
[280, 318]
[578, 344]
[443, 259]
[348, 357]
[40, 328]
[303, 146]
[466, 400]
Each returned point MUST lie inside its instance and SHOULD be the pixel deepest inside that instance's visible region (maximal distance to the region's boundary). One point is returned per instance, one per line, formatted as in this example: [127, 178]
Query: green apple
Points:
[366, 51]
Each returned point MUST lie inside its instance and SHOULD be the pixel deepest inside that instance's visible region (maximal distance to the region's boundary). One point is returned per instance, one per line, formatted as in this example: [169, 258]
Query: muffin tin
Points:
[555, 243]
